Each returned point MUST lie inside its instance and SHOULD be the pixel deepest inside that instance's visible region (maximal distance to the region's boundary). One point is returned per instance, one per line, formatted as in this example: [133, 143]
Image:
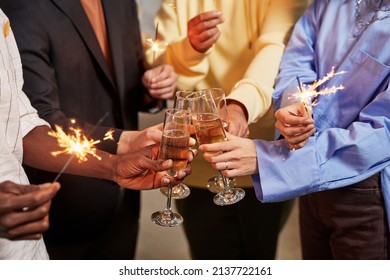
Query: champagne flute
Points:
[215, 183]
[180, 190]
[209, 129]
[174, 146]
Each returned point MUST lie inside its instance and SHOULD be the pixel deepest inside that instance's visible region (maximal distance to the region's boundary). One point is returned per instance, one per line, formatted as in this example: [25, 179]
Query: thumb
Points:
[162, 165]
[156, 70]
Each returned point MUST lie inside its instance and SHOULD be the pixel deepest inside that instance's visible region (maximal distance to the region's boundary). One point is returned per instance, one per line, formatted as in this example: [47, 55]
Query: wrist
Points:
[124, 142]
[111, 165]
[238, 107]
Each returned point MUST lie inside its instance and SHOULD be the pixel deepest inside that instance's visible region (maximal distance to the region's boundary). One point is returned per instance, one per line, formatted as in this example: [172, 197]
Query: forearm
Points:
[353, 156]
[255, 88]
[254, 99]
[38, 145]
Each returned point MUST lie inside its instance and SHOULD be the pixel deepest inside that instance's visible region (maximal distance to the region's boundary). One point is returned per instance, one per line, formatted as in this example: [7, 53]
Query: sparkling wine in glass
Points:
[174, 146]
[215, 183]
[180, 190]
[209, 129]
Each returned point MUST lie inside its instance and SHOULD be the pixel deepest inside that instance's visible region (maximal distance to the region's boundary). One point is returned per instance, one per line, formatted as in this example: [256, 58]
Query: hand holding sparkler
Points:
[24, 209]
[295, 124]
[295, 121]
[160, 81]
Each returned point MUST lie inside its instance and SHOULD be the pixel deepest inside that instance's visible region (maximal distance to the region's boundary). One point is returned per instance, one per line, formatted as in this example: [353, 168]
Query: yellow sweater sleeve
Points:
[191, 65]
[255, 89]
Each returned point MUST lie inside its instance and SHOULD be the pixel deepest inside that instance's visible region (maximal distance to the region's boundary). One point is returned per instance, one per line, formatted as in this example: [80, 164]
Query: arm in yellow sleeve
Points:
[191, 66]
[254, 91]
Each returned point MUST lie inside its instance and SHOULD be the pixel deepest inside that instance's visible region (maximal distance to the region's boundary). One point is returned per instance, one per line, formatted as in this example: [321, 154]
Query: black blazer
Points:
[67, 77]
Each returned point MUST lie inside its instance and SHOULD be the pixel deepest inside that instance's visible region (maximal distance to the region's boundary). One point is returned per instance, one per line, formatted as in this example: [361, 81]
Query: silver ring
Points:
[226, 165]
[193, 153]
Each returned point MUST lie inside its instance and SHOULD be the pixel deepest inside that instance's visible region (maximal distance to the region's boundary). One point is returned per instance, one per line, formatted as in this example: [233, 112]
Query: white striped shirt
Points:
[17, 118]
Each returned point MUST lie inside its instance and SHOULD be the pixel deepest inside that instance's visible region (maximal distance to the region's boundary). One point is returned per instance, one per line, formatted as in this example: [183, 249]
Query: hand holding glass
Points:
[209, 129]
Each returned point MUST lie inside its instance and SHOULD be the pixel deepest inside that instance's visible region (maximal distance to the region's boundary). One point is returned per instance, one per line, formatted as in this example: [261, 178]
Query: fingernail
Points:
[57, 185]
[166, 181]
[167, 163]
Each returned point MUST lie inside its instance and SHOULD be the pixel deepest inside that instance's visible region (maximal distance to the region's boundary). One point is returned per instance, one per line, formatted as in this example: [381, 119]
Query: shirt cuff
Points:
[255, 97]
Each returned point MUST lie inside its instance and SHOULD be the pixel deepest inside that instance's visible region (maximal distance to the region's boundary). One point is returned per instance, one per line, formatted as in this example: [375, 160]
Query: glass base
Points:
[215, 184]
[167, 218]
[179, 191]
[229, 198]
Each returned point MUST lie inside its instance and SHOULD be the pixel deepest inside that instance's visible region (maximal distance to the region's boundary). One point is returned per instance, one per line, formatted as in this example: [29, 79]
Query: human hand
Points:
[24, 209]
[295, 124]
[134, 140]
[238, 124]
[235, 157]
[160, 81]
[202, 30]
[142, 170]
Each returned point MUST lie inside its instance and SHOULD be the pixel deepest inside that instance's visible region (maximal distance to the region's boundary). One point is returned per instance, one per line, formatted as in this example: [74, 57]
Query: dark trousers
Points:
[116, 238]
[345, 223]
[246, 230]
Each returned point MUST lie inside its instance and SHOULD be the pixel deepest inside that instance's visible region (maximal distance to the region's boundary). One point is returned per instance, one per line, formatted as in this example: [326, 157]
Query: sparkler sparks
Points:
[307, 93]
[77, 144]
[155, 44]
[172, 5]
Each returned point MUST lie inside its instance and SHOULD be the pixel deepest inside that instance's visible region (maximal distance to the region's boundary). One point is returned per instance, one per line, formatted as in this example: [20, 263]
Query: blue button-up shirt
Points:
[352, 141]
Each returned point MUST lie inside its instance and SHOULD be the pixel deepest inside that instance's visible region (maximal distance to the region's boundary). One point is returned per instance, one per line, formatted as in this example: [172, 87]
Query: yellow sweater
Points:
[244, 62]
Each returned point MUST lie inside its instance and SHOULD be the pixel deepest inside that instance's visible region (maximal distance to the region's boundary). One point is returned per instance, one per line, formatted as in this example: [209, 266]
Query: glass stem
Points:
[169, 199]
[226, 186]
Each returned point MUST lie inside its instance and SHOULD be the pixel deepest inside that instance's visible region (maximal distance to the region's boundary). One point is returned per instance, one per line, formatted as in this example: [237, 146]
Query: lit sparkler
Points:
[156, 44]
[172, 4]
[77, 144]
[307, 93]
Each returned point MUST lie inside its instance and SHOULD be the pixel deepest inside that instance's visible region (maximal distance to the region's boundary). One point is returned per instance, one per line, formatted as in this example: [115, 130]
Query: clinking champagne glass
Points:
[180, 190]
[215, 183]
[209, 129]
[174, 146]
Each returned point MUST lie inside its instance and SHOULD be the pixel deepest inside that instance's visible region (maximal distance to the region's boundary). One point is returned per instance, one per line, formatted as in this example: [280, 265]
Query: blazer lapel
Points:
[76, 14]
[114, 36]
